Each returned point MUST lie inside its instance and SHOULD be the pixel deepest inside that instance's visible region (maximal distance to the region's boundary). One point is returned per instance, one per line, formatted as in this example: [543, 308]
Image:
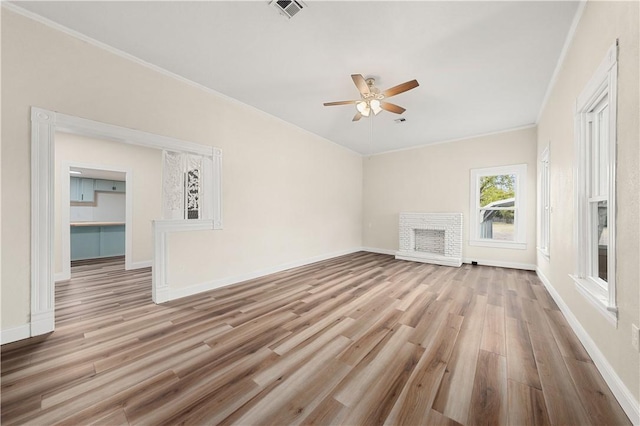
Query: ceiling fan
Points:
[372, 99]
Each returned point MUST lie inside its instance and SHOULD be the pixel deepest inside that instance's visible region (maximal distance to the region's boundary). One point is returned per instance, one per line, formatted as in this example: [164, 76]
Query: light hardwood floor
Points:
[359, 339]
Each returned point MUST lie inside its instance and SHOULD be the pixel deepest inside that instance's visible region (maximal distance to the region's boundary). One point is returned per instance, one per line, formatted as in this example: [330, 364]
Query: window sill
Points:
[498, 244]
[601, 304]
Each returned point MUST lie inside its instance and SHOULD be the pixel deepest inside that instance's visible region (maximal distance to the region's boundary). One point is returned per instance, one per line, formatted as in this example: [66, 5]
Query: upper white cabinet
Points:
[109, 185]
[82, 190]
[74, 189]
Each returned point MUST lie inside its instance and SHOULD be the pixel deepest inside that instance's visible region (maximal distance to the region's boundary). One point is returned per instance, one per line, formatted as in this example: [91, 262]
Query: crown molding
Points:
[481, 135]
[561, 58]
[75, 34]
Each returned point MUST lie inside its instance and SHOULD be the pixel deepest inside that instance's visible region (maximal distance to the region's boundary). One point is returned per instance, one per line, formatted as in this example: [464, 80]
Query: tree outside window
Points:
[497, 206]
[497, 203]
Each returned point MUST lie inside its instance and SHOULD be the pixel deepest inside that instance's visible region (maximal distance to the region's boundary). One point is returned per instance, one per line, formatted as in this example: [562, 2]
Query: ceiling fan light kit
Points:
[371, 99]
[367, 106]
[363, 108]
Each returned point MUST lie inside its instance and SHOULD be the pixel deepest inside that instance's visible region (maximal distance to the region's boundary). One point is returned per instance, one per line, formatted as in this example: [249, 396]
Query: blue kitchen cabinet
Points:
[90, 242]
[112, 241]
[85, 242]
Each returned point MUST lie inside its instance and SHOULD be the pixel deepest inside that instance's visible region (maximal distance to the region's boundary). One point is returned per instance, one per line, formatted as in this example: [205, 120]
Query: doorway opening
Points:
[95, 215]
[106, 195]
[45, 125]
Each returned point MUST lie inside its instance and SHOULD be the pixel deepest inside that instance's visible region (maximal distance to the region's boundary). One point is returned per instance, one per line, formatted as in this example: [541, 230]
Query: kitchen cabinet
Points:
[90, 240]
[110, 185]
[82, 190]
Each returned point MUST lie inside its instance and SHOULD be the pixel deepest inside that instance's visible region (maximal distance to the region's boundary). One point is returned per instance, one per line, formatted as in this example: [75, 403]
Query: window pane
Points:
[603, 160]
[193, 186]
[598, 150]
[497, 224]
[497, 190]
[544, 205]
[193, 194]
[600, 242]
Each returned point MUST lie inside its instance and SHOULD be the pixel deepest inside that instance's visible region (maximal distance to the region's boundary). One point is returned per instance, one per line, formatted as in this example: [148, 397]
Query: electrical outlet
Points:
[635, 336]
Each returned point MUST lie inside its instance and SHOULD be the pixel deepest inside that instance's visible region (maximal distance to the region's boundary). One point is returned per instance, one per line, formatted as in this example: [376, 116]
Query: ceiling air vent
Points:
[288, 8]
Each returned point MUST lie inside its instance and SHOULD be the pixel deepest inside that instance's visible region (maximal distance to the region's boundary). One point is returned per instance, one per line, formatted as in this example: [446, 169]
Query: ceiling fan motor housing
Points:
[374, 92]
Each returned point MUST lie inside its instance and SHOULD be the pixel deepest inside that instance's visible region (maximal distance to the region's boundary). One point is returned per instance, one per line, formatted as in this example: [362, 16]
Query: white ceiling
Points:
[482, 66]
[98, 174]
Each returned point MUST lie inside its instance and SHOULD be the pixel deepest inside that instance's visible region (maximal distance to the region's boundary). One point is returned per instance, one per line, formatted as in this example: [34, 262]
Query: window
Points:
[497, 207]
[185, 183]
[544, 205]
[595, 127]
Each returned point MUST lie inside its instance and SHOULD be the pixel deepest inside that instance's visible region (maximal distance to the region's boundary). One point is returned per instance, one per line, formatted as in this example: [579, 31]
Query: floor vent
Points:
[288, 8]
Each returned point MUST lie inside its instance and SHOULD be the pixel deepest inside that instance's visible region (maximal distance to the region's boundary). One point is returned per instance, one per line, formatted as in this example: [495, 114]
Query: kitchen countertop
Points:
[97, 223]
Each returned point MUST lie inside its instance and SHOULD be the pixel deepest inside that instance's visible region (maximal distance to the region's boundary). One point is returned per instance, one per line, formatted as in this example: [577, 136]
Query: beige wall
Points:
[145, 165]
[279, 182]
[600, 25]
[435, 179]
[282, 196]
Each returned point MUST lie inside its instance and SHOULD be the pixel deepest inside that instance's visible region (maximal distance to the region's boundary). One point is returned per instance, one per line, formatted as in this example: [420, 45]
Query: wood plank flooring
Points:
[359, 339]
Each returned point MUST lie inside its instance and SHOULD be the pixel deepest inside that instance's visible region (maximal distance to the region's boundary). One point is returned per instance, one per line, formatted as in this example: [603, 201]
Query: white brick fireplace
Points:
[431, 238]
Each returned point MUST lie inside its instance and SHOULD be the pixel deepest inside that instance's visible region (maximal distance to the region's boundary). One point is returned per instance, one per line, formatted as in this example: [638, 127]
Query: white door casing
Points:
[44, 125]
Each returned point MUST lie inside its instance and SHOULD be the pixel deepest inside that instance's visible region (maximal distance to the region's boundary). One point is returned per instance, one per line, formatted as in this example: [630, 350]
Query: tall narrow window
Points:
[595, 187]
[193, 186]
[497, 207]
[544, 206]
[185, 184]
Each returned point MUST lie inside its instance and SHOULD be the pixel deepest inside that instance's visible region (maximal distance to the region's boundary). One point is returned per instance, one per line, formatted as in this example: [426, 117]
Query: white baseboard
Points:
[43, 322]
[628, 403]
[138, 265]
[61, 276]
[379, 250]
[177, 293]
[13, 334]
[501, 264]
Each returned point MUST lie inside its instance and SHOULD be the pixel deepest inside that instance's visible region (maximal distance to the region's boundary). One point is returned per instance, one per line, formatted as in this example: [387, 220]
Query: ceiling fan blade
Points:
[339, 103]
[360, 83]
[357, 117]
[395, 90]
[387, 106]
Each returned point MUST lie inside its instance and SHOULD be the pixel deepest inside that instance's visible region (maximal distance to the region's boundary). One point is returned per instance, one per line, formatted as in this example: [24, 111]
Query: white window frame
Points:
[519, 242]
[544, 205]
[602, 86]
[175, 185]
